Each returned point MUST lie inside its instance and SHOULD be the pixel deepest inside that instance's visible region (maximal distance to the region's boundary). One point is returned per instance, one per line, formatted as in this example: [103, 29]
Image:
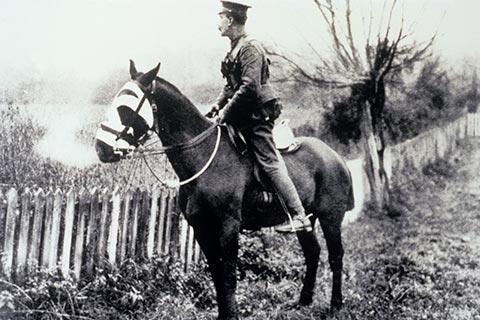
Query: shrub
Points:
[19, 134]
[131, 291]
[23, 167]
[257, 262]
[344, 120]
[431, 99]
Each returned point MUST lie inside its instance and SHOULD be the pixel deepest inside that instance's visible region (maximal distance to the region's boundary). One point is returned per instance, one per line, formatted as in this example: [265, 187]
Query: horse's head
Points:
[129, 118]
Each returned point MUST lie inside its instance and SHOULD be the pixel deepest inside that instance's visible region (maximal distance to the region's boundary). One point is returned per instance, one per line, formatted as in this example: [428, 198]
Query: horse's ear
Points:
[148, 77]
[133, 70]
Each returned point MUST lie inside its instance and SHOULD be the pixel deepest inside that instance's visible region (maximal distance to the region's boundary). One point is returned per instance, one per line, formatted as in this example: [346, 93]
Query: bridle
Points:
[125, 134]
[141, 152]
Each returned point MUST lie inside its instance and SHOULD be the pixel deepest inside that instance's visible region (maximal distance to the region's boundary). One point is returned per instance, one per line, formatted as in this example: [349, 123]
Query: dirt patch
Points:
[425, 263]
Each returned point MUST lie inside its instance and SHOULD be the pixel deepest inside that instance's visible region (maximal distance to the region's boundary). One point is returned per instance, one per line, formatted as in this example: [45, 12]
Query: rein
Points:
[183, 146]
[142, 152]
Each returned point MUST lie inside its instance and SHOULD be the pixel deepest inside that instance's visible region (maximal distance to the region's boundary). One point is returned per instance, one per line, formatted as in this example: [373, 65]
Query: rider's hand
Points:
[220, 119]
[213, 112]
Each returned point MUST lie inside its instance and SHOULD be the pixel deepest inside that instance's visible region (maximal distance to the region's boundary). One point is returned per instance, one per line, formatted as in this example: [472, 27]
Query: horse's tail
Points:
[345, 177]
[351, 198]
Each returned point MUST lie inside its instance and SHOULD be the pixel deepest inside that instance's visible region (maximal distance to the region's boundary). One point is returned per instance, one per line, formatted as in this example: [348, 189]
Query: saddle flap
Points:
[237, 139]
[283, 138]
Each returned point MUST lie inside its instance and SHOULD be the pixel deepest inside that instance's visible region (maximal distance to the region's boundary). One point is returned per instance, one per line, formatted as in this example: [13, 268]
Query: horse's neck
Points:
[179, 122]
[178, 119]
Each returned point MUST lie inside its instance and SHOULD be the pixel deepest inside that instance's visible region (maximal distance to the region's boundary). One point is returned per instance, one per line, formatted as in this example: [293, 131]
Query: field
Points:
[424, 264]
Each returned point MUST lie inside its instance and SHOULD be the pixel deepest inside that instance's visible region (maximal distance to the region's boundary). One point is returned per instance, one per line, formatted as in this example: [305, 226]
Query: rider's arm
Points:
[251, 61]
[220, 102]
[225, 95]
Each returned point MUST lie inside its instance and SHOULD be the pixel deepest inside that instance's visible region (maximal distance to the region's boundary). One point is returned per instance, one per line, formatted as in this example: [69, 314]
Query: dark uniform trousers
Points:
[260, 140]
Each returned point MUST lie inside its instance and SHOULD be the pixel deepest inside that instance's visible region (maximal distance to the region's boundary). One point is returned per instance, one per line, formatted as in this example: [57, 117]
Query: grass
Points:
[421, 265]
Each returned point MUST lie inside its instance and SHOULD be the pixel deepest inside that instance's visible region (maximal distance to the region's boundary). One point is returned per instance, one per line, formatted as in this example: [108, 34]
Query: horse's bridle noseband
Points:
[148, 93]
[125, 134]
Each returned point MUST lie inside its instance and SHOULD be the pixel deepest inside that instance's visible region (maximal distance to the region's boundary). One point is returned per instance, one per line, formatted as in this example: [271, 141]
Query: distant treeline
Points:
[419, 99]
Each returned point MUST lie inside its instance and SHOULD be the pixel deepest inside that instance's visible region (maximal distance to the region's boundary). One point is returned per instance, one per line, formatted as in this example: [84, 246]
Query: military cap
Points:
[234, 7]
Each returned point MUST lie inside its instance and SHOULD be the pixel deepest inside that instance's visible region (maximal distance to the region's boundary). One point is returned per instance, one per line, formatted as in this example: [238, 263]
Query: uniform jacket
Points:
[248, 94]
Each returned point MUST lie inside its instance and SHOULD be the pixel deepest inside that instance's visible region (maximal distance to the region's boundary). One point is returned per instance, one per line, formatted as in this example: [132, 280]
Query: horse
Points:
[218, 183]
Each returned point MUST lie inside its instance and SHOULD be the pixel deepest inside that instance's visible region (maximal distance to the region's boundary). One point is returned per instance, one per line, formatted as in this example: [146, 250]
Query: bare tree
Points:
[367, 71]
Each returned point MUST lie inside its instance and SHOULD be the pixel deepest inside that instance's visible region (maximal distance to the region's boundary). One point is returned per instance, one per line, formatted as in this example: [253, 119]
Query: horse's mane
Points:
[174, 95]
[179, 107]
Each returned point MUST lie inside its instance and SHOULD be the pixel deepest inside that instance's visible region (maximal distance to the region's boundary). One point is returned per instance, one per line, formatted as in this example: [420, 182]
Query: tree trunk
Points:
[374, 148]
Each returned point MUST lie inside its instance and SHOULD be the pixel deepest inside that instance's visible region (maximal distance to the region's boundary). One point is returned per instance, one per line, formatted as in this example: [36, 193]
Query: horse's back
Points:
[321, 176]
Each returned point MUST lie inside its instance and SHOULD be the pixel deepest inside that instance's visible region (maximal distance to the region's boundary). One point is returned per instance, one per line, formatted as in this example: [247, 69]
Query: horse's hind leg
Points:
[331, 226]
[311, 251]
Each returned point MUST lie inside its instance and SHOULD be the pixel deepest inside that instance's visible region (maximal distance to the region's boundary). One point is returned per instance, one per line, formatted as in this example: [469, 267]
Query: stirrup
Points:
[295, 225]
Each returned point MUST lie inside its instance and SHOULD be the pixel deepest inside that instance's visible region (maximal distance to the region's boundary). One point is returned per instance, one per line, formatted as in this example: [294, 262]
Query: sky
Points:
[87, 39]
[74, 45]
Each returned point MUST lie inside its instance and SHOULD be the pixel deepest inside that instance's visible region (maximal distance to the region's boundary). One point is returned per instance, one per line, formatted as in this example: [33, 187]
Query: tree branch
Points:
[353, 49]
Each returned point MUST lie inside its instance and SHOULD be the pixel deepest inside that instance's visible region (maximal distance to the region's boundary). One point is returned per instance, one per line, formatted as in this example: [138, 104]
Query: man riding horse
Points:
[249, 103]
[215, 186]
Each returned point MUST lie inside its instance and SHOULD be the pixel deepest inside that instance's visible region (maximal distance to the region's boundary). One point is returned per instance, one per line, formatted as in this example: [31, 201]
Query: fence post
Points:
[34, 256]
[12, 212]
[174, 248]
[92, 231]
[168, 222]
[102, 228]
[143, 220]
[476, 133]
[22, 250]
[471, 124]
[190, 247]
[133, 223]
[124, 223]
[67, 232]
[152, 221]
[114, 227]
[183, 240]
[3, 216]
[463, 127]
[197, 254]
[55, 229]
[47, 231]
[161, 222]
[80, 218]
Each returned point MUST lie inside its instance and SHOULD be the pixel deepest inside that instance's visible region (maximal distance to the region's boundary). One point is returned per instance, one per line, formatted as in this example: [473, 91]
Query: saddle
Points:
[283, 138]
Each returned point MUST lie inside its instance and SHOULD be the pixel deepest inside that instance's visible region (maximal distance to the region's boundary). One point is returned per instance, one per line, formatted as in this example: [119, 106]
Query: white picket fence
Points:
[78, 231]
[415, 153]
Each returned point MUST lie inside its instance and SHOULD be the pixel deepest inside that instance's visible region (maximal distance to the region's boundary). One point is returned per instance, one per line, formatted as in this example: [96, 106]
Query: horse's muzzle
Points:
[105, 152]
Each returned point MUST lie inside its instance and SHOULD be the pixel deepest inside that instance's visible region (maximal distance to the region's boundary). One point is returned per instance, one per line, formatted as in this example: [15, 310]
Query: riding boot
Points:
[260, 139]
[284, 187]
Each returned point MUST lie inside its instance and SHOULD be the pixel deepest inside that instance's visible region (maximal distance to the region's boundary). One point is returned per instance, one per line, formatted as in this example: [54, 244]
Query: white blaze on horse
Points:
[219, 187]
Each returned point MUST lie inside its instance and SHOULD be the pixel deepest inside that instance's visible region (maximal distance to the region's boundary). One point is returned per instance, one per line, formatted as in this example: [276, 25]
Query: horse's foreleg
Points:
[228, 267]
[333, 235]
[311, 251]
[221, 248]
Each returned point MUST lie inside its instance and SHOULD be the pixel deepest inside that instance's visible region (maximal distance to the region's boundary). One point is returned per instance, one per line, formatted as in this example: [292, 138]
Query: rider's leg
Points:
[260, 140]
